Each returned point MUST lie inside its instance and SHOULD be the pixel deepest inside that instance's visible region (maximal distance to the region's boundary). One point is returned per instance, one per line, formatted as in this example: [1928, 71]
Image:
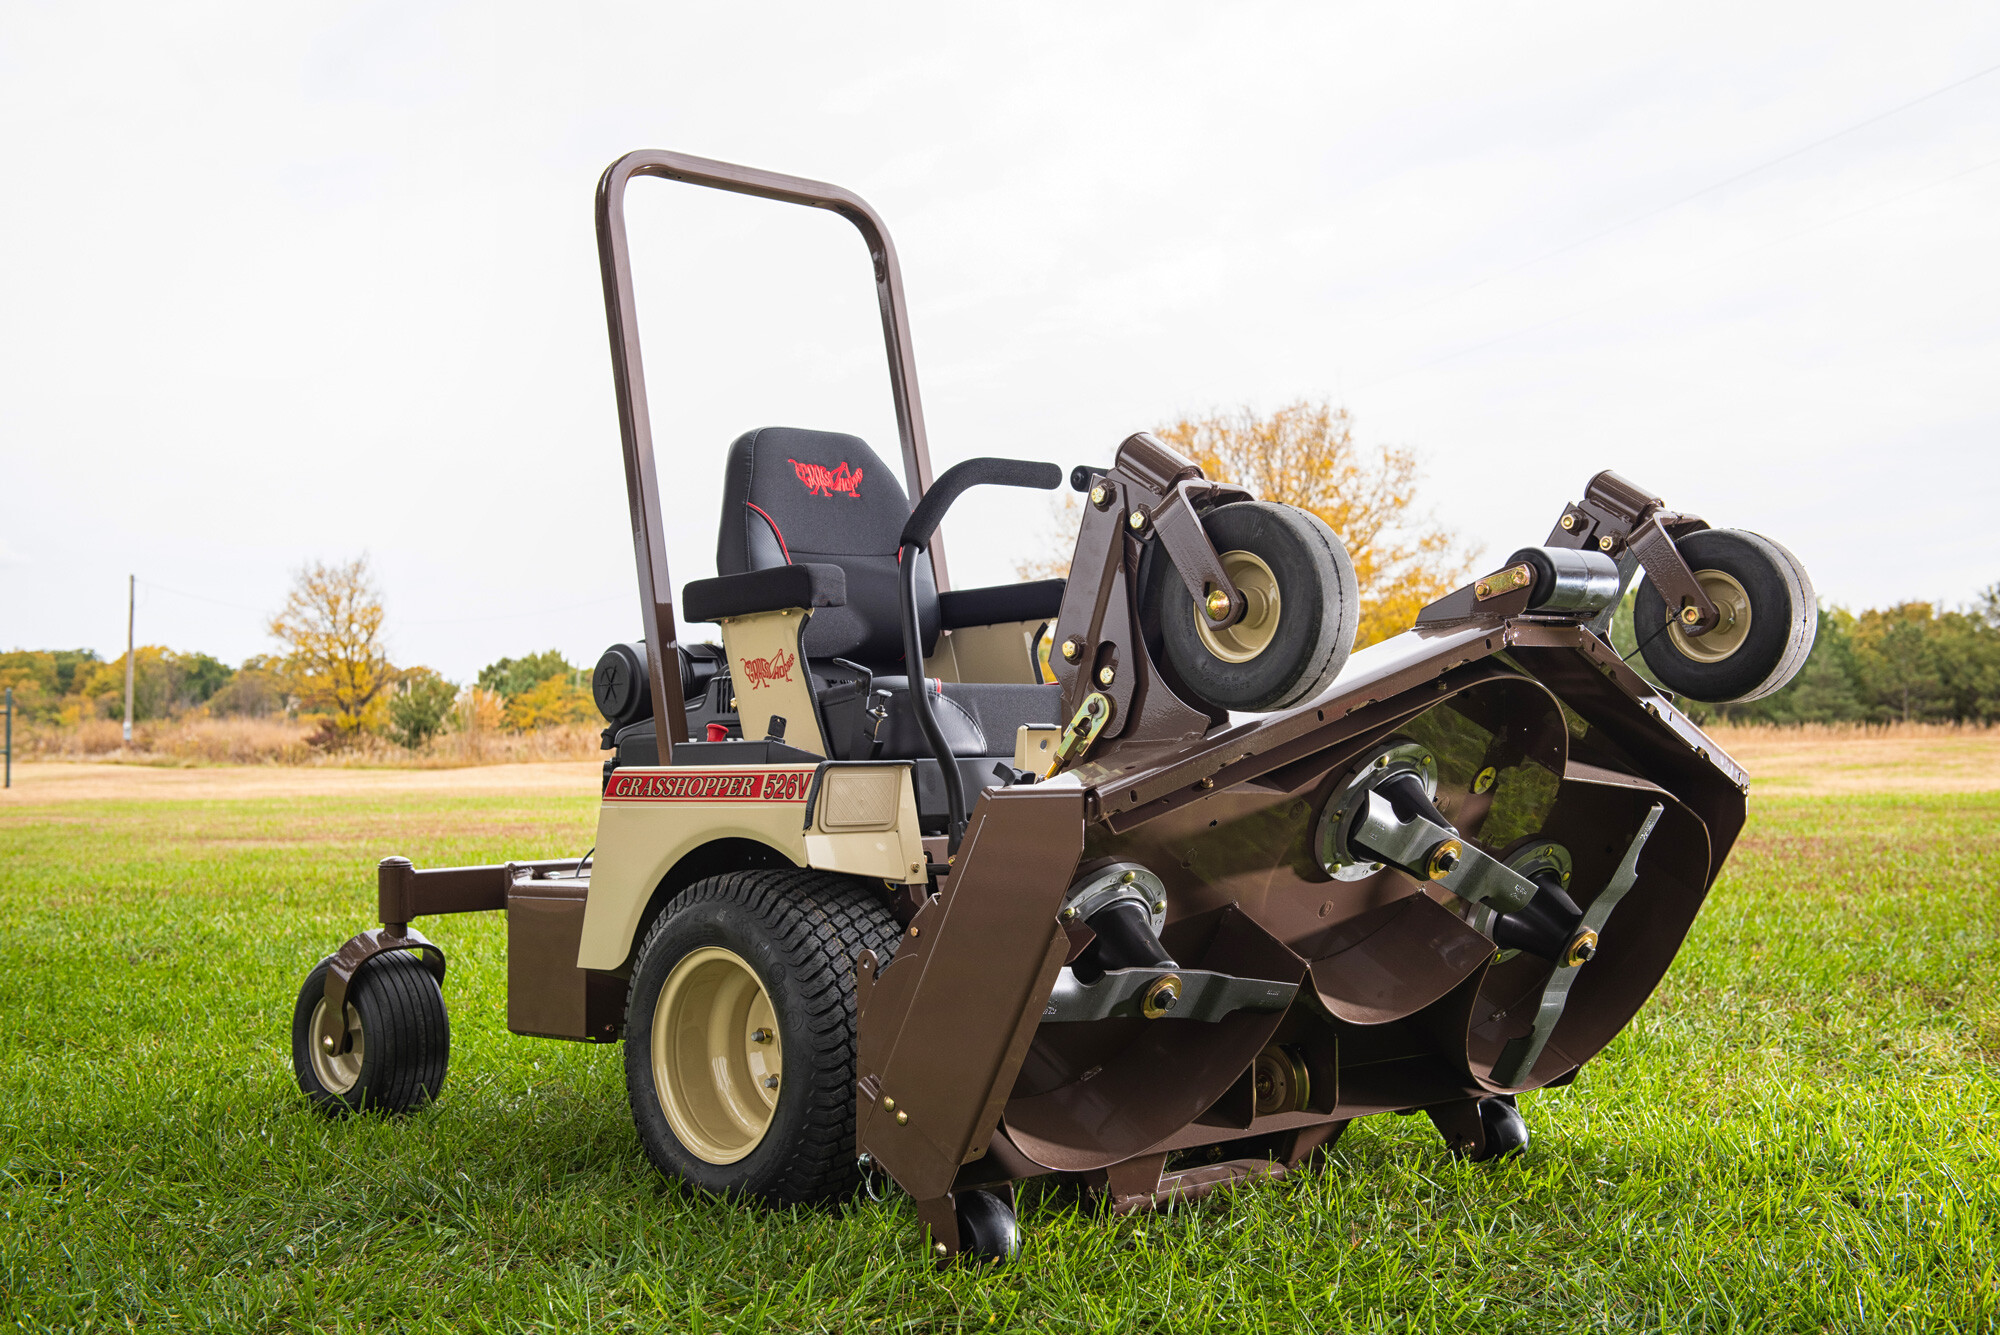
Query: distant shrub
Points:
[421, 707]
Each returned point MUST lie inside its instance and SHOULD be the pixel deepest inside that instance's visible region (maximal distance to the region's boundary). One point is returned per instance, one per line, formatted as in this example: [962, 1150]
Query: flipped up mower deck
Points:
[1169, 922]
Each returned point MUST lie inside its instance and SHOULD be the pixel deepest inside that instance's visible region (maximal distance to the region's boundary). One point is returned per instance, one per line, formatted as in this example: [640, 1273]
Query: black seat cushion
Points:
[978, 718]
[796, 496]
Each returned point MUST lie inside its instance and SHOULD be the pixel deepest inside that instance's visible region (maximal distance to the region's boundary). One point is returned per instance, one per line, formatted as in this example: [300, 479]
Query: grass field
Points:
[1802, 1132]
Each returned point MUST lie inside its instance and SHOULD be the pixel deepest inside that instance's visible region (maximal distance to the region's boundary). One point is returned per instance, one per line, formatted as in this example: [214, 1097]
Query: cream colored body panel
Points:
[652, 818]
[1001, 652]
[767, 667]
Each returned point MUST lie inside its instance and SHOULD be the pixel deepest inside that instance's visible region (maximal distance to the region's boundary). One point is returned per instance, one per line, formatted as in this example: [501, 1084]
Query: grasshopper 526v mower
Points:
[868, 890]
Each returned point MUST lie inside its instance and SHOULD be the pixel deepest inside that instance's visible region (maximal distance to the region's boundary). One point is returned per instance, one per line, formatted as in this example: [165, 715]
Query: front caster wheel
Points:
[987, 1230]
[395, 1045]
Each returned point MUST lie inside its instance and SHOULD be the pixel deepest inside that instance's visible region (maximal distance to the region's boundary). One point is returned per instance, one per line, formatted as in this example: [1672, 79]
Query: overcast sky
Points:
[284, 282]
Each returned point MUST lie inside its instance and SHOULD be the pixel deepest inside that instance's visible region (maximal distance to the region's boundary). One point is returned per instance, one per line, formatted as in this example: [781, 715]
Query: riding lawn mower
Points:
[1144, 879]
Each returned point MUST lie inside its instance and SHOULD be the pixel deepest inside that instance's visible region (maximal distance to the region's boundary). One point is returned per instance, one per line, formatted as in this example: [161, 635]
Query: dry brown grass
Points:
[1858, 758]
[275, 741]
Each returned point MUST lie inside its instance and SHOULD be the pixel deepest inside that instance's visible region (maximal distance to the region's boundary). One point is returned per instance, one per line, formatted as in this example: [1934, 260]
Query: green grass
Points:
[1798, 1134]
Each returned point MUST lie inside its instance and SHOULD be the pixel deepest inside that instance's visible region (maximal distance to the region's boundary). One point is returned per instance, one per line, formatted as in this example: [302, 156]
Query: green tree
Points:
[1897, 663]
[420, 707]
[517, 676]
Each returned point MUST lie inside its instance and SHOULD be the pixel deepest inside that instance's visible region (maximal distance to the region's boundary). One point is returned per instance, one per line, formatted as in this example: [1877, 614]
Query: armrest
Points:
[1038, 600]
[768, 590]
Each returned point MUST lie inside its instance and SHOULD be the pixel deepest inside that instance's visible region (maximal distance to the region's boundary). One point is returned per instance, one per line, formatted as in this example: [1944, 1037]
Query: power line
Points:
[1655, 212]
[1693, 268]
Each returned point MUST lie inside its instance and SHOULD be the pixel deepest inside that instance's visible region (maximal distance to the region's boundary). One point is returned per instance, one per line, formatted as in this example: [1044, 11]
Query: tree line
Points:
[331, 673]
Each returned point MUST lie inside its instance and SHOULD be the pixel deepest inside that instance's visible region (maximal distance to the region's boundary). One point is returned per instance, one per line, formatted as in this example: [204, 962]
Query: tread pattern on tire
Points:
[821, 921]
[406, 1028]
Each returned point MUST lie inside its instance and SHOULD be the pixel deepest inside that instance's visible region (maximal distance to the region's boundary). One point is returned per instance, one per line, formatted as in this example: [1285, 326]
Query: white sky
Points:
[280, 282]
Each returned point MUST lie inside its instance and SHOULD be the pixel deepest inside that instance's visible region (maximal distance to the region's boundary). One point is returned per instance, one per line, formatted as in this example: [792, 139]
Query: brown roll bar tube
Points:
[628, 374]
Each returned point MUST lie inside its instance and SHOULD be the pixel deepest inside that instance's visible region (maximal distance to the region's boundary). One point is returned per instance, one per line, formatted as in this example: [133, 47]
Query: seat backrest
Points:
[790, 495]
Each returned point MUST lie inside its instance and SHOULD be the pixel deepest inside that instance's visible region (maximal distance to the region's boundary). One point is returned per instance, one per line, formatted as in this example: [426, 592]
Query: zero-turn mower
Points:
[1166, 923]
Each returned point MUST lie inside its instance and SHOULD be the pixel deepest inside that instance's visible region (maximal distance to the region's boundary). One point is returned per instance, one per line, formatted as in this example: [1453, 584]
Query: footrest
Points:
[1196, 994]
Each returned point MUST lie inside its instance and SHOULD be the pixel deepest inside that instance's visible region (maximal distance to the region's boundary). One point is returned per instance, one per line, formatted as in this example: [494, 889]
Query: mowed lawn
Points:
[1799, 1133]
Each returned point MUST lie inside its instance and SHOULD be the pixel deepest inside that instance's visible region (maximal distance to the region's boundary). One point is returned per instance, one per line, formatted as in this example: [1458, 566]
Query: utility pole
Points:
[131, 605]
[10, 736]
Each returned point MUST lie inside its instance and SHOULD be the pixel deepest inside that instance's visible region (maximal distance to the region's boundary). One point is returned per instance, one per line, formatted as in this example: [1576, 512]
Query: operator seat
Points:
[798, 496]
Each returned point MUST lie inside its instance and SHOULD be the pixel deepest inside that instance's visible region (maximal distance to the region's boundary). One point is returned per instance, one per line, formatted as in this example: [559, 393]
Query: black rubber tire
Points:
[1784, 616]
[987, 1229]
[1319, 600]
[406, 1031]
[1506, 1129]
[800, 931]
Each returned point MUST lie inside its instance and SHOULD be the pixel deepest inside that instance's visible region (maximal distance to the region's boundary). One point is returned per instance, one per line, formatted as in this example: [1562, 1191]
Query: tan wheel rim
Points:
[717, 1057]
[1253, 634]
[1729, 633]
[337, 1071]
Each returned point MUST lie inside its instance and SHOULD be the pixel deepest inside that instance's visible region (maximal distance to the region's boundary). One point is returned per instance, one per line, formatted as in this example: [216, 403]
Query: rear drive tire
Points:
[740, 1032]
[397, 1045]
[1769, 619]
[1299, 628]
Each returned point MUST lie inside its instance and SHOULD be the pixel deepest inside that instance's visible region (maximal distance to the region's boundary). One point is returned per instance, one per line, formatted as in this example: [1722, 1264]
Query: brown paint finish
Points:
[547, 994]
[949, 1018]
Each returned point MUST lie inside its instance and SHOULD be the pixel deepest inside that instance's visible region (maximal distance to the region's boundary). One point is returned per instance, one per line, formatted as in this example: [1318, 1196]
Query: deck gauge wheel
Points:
[740, 1032]
[1302, 606]
[395, 1045]
[987, 1229]
[1769, 617]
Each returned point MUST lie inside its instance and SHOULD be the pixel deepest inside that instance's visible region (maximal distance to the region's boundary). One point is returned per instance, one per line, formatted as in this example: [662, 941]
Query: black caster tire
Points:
[740, 1032]
[1506, 1130]
[397, 1045]
[1770, 616]
[1299, 629]
[988, 1233]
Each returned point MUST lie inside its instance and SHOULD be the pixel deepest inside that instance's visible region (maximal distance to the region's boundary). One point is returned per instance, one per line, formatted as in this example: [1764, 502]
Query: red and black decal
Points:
[709, 786]
[823, 482]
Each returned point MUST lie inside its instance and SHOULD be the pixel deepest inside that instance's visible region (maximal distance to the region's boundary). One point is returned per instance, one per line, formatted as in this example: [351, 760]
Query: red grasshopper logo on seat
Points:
[759, 672]
[821, 482]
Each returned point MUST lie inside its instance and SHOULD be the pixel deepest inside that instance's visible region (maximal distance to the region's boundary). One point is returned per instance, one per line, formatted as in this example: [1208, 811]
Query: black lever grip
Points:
[960, 478]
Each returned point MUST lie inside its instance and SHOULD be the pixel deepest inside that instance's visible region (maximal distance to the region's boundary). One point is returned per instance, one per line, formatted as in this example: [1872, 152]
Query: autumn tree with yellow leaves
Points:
[331, 627]
[1305, 455]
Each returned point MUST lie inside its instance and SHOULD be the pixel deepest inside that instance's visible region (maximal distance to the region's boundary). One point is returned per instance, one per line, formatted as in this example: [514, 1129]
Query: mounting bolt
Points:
[1605, 544]
[1100, 495]
[1070, 649]
[914, 931]
[1069, 913]
[1444, 858]
[1690, 615]
[1568, 522]
[940, 1249]
[902, 1119]
[1217, 604]
[1483, 781]
[1159, 906]
[770, 1082]
[888, 1104]
[1105, 675]
[1128, 877]
[760, 1035]
[1136, 521]
[326, 1042]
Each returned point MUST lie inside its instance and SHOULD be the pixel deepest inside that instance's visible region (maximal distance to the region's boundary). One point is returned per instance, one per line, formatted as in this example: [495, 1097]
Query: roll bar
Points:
[629, 376]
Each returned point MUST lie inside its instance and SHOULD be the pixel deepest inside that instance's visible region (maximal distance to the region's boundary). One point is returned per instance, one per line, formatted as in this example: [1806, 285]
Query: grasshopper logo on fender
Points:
[821, 482]
[759, 672]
